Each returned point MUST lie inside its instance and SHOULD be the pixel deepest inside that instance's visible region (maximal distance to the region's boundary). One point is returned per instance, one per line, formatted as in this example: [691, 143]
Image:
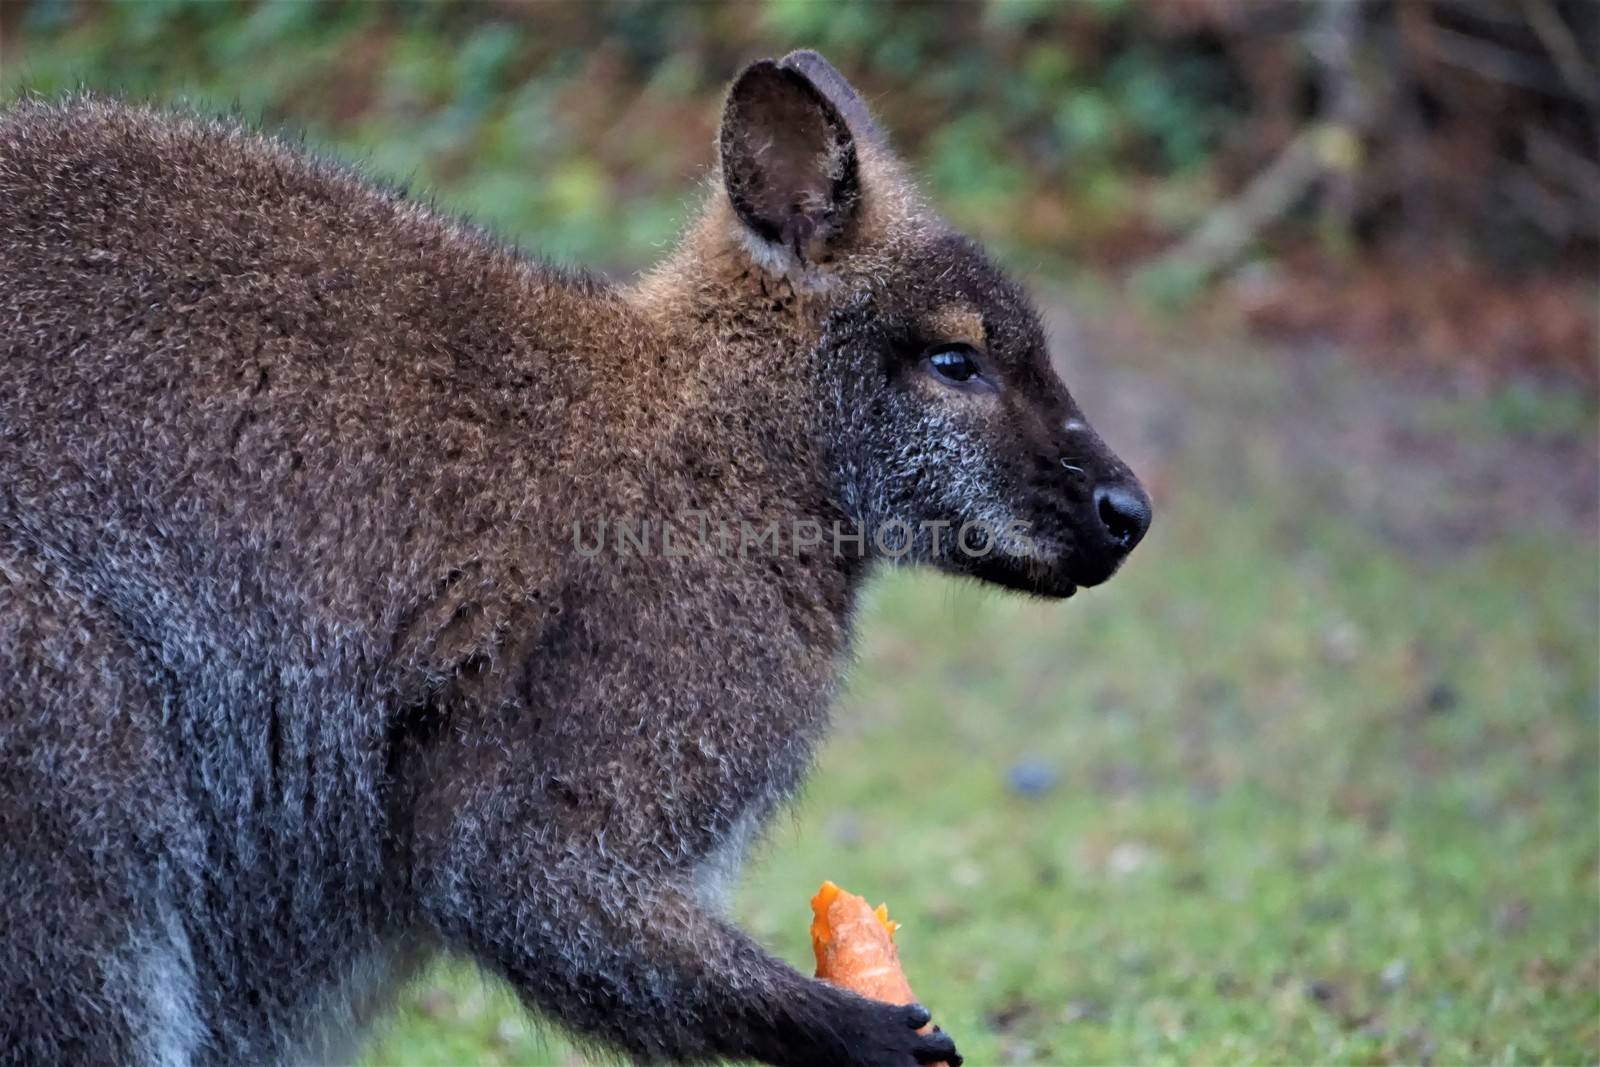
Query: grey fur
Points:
[301, 678]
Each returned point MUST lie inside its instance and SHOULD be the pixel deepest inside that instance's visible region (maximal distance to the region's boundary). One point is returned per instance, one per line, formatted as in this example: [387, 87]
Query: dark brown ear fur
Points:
[788, 160]
[840, 93]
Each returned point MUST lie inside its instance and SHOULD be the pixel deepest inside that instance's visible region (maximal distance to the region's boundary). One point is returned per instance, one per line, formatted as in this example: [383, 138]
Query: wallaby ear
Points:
[788, 160]
[840, 93]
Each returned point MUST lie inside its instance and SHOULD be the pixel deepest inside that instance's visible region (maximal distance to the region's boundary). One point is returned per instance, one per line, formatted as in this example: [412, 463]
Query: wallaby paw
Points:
[891, 1037]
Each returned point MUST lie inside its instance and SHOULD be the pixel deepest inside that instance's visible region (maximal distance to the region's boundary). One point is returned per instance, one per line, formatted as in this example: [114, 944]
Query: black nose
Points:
[1124, 512]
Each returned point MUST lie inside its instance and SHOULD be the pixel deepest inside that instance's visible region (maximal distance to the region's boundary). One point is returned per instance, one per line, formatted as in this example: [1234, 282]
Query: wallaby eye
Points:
[955, 364]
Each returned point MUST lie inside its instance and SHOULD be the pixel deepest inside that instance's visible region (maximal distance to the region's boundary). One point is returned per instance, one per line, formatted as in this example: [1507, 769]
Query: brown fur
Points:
[301, 672]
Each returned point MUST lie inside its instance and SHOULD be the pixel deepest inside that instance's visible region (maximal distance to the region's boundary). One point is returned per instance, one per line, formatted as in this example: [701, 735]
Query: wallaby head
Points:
[940, 423]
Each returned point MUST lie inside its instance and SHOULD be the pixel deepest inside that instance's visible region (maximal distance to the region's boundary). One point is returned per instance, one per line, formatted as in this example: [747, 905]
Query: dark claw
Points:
[935, 1047]
[917, 1016]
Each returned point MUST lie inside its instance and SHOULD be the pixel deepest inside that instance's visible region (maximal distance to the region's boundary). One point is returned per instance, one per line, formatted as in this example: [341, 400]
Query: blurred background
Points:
[1317, 779]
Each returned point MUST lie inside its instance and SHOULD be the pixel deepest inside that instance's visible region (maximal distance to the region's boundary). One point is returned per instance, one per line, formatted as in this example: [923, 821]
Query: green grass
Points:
[1318, 797]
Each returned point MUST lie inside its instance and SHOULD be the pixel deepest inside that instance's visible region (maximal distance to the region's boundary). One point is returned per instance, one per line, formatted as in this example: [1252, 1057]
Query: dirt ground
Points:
[1436, 459]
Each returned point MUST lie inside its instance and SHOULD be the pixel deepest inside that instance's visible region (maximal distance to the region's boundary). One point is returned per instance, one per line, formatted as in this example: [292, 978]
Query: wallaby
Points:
[305, 673]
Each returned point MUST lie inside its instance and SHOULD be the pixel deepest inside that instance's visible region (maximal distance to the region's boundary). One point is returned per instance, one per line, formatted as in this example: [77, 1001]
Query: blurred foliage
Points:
[582, 122]
[1070, 134]
[1007, 102]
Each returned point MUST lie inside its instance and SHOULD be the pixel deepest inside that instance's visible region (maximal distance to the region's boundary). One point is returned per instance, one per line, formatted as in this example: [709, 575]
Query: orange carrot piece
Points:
[854, 946]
